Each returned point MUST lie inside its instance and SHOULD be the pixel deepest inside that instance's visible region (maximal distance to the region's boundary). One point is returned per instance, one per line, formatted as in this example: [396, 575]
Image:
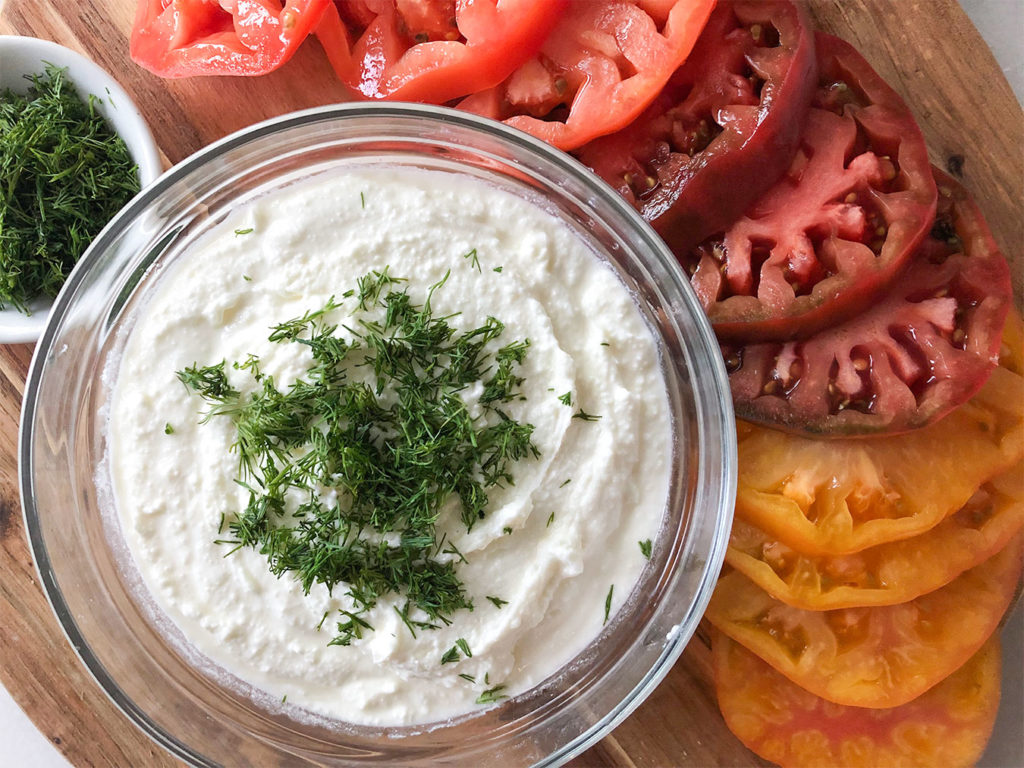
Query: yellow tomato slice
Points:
[1011, 353]
[871, 657]
[889, 573]
[840, 496]
[948, 725]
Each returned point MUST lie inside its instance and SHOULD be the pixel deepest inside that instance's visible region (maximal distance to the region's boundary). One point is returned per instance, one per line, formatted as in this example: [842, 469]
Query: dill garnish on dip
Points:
[64, 173]
[367, 508]
[349, 468]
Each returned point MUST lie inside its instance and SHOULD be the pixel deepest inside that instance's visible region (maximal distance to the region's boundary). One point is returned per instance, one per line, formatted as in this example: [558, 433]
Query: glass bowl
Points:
[77, 543]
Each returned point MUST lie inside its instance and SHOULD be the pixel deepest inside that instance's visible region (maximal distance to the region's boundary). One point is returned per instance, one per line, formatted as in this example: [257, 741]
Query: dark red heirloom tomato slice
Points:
[182, 38]
[871, 657]
[602, 64]
[948, 725]
[826, 239]
[914, 355]
[723, 130]
[433, 50]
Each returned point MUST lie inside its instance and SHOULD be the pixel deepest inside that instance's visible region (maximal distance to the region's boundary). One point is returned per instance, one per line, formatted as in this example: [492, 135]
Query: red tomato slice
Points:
[889, 573]
[871, 657]
[826, 239]
[603, 63]
[182, 38]
[723, 130]
[912, 357]
[948, 725]
[433, 50]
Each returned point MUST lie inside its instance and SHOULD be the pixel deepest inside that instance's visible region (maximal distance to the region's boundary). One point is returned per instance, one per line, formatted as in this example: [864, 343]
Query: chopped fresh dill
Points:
[565, 482]
[322, 620]
[551, 519]
[566, 399]
[605, 344]
[506, 530]
[377, 426]
[498, 602]
[584, 416]
[474, 262]
[492, 695]
[608, 603]
[246, 231]
[168, 429]
[64, 173]
[284, 698]
[645, 548]
[497, 269]
[362, 200]
[470, 678]
[247, 278]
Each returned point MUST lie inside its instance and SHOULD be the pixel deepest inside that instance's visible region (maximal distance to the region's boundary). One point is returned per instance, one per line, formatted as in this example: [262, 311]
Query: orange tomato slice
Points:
[1011, 352]
[841, 496]
[889, 573]
[948, 725]
[871, 657]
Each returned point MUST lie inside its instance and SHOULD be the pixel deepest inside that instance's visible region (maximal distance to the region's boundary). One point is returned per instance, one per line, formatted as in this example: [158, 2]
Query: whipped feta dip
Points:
[560, 547]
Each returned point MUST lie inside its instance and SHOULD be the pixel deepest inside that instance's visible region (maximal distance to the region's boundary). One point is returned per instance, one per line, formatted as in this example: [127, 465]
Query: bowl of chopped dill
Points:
[73, 151]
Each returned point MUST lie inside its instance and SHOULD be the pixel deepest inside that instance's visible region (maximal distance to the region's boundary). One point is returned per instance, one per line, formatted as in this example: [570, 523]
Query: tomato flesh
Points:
[833, 232]
[723, 129]
[871, 657]
[917, 353]
[948, 725]
[602, 64]
[433, 51]
[837, 497]
[888, 573]
[183, 38]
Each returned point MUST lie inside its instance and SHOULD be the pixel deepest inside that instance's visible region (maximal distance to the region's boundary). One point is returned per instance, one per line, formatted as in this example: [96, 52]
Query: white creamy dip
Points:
[552, 545]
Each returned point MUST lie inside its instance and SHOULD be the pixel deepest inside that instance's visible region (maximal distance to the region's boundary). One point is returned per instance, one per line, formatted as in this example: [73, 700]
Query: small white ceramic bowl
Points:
[28, 56]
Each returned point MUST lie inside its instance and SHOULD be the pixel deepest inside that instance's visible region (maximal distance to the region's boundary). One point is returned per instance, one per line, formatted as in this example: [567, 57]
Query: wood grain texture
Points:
[927, 49]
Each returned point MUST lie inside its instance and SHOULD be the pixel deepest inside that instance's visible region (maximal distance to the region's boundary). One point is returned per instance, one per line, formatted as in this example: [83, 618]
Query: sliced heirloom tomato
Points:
[871, 657]
[914, 355]
[433, 50]
[723, 130]
[602, 64]
[841, 496]
[830, 235]
[183, 38]
[889, 573]
[948, 725]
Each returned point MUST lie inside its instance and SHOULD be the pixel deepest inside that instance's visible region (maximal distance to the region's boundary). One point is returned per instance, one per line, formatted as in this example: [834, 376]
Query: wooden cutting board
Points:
[928, 50]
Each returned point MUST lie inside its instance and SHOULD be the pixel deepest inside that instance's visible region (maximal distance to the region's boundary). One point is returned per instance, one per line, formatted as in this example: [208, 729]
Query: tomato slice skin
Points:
[871, 657]
[434, 51]
[918, 352]
[184, 38]
[834, 231]
[602, 64]
[948, 725]
[716, 137]
[888, 573]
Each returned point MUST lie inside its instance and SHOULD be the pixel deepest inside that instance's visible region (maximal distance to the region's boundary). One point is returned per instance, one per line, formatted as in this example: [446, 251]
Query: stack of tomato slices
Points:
[859, 298]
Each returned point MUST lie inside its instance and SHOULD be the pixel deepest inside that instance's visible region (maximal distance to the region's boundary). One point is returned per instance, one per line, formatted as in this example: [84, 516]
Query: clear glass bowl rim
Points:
[704, 347]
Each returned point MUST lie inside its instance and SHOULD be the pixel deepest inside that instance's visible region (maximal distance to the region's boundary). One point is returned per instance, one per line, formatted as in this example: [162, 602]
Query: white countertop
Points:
[1001, 23]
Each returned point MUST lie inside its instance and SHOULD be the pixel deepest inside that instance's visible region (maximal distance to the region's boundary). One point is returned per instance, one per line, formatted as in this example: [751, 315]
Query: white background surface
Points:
[1001, 23]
